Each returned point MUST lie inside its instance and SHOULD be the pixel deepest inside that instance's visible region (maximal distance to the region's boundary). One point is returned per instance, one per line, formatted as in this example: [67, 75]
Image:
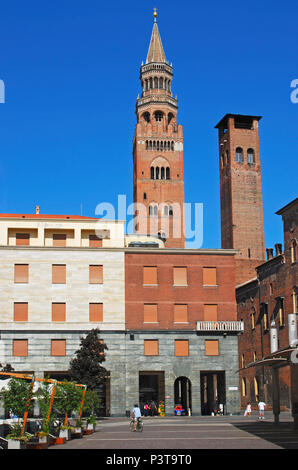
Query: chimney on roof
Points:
[278, 249]
[269, 252]
[37, 209]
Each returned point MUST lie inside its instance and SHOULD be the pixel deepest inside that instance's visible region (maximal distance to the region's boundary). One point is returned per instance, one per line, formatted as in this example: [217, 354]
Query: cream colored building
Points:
[60, 276]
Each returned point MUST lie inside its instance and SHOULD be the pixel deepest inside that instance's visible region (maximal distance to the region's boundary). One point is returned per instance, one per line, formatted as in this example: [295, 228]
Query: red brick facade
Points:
[266, 302]
[242, 226]
[158, 152]
[166, 295]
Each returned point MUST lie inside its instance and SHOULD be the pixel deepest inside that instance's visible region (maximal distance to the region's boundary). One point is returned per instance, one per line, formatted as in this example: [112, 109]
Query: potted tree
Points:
[92, 401]
[67, 400]
[43, 396]
[16, 402]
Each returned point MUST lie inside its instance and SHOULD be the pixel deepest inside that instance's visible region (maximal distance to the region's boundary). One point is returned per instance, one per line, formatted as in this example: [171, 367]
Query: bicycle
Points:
[139, 426]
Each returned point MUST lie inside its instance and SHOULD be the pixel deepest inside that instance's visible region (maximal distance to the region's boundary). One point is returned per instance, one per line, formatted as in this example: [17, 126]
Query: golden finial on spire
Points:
[154, 14]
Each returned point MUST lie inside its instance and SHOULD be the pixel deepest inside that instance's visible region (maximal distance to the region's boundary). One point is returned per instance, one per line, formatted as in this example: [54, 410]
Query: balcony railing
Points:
[220, 326]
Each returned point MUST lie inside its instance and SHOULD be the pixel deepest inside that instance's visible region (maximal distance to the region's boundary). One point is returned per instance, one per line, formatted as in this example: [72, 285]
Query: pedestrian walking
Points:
[261, 406]
[247, 411]
[146, 409]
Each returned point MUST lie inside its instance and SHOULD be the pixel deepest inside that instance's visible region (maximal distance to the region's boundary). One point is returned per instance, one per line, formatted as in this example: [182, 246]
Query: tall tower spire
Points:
[158, 151]
[155, 52]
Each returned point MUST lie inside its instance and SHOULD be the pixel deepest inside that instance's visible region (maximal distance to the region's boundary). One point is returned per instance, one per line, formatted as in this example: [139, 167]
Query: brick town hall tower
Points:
[158, 151]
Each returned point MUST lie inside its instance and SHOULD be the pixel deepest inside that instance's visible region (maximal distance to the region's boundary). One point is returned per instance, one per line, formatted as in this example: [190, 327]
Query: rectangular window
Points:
[180, 313]
[59, 239]
[58, 347]
[181, 348]
[22, 239]
[211, 347]
[210, 313]
[264, 309]
[150, 275]
[20, 347]
[95, 242]
[180, 276]
[281, 312]
[150, 313]
[58, 311]
[253, 320]
[209, 276]
[21, 273]
[59, 274]
[95, 274]
[151, 347]
[20, 311]
[96, 312]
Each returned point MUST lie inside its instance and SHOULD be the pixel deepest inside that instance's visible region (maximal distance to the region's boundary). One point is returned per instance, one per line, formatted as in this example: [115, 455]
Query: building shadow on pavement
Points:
[282, 435]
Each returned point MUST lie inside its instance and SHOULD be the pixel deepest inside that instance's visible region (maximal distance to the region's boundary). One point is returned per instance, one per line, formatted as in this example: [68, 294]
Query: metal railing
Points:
[220, 326]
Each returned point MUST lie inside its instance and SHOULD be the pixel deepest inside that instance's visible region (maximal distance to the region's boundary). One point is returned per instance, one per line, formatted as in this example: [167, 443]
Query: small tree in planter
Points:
[43, 395]
[92, 401]
[68, 398]
[15, 400]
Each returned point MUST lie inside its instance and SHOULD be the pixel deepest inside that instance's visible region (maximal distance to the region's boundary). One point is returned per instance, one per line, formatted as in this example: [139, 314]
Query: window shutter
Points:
[58, 312]
[180, 314]
[22, 239]
[210, 313]
[21, 273]
[96, 312]
[180, 276]
[20, 311]
[20, 347]
[59, 274]
[181, 347]
[209, 276]
[150, 313]
[211, 347]
[58, 347]
[150, 347]
[95, 242]
[59, 239]
[150, 275]
[95, 274]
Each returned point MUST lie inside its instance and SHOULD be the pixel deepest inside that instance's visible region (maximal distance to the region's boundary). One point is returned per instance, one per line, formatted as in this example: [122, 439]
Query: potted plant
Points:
[91, 424]
[43, 396]
[15, 400]
[67, 400]
[91, 403]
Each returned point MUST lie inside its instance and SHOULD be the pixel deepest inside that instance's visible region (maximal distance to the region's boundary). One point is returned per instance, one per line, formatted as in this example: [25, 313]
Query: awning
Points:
[277, 359]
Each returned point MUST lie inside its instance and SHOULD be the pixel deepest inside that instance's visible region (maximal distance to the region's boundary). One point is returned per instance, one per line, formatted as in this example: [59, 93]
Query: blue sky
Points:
[71, 74]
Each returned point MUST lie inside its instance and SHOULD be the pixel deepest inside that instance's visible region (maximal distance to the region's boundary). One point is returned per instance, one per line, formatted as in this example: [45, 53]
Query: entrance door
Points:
[213, 391]
[151, 387]
[182, 393]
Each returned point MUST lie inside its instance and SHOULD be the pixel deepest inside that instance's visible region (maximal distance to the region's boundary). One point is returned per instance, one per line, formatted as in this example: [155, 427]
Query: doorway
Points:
[182, 393]
[213, 392]
[151, 387]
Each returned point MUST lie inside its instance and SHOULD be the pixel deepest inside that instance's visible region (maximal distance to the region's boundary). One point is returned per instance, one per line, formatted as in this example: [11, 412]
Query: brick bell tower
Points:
[242, 225]
[158, 151]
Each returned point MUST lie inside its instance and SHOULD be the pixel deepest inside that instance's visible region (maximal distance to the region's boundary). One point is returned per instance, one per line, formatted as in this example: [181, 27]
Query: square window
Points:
[95, 274]
[180, 276]
[150, 313]
[181, 348]
[58, 311]
[209, 276]
[180, 313]
[22, 239]
[20, 311]
[150, 347]
[211, 347]
[59, 239]
[150, 275]
[96, 312]
[59, 274]
[21, 273]
[58, 347]
[20, 347]
[94, 241]
[210, 313]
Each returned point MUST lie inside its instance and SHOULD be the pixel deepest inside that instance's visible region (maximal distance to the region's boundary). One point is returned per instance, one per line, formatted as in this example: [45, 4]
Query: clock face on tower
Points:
[158, 152]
